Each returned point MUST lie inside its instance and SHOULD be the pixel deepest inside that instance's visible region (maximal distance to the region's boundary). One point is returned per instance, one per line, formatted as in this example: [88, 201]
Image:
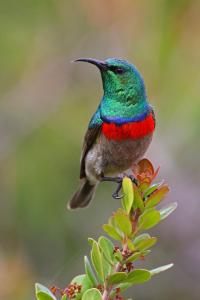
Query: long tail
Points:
[83, 195]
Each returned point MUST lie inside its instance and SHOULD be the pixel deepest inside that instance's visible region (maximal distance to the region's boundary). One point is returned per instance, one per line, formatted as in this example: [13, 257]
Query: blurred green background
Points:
[46, 103]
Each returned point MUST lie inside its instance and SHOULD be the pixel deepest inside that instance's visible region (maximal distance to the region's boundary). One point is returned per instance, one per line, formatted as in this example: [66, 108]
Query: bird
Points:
[119, 132]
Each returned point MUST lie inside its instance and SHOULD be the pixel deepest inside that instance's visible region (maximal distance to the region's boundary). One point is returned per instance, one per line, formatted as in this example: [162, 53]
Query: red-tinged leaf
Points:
[145, 166]
[157, 196]
[144, 170]
[155, 173]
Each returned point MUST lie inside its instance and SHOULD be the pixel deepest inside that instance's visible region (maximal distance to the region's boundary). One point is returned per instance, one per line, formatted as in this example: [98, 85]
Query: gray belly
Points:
[108, 157]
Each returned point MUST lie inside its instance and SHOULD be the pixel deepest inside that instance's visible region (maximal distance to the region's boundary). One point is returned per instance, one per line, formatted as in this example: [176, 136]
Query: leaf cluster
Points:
[111, 268]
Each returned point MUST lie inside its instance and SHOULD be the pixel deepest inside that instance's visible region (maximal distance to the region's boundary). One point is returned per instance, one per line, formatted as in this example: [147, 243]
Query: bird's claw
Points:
[118, 180]
[116, 195]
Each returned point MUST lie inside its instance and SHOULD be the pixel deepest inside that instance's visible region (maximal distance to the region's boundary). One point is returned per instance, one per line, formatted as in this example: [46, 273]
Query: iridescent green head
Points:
[121, 80]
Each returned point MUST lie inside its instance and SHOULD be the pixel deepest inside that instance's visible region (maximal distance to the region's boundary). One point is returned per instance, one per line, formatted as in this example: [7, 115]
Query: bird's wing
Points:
[89, 139]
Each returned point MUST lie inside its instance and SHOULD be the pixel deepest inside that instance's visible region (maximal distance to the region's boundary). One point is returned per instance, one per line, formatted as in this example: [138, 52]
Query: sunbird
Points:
[119, 132]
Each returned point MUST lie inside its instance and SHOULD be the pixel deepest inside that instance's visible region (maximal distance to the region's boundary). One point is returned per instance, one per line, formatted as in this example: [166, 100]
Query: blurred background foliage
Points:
[46, 103]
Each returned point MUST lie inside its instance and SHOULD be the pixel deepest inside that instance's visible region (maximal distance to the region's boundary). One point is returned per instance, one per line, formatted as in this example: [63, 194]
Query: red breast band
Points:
[132, 130]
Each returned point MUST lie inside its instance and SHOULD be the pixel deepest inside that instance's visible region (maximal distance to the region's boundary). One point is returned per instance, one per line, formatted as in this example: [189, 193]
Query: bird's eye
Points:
[117, 70]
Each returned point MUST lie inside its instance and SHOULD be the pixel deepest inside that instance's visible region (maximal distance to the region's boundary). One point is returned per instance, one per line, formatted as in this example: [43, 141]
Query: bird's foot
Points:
[118, 180]
[116, 195]
[112, 179]
[133, 179]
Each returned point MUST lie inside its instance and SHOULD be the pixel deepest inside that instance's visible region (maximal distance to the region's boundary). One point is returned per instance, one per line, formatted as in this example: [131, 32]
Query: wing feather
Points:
[89, 139]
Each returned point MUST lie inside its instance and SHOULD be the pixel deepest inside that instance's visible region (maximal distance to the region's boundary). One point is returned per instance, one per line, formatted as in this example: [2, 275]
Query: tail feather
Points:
[83, 195]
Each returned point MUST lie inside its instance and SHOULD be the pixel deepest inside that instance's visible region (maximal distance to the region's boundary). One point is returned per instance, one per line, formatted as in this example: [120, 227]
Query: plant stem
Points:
[105, 294]
[107, 291]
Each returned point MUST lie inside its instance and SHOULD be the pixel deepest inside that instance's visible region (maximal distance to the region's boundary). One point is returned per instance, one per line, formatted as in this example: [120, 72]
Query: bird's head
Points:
[121, 79]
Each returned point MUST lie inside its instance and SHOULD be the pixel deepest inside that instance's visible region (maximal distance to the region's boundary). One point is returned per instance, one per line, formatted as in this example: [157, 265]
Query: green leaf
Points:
[135, 256]
[89, 271]
[138, 201]
[144, 185]
[161, 269]
[144, 241]
[128, 193]
[123, 222]
[146, 244]
[152, 188]
[106, 267]
[122, 286]
[91, 241]
[149, 219]
[141, 237]
[130, 245]
[157, 197]
[112, 232]
[85, 283]
[78, 279]
[64, 297]
[116, 278]
[43, 293]
[138, 276]
[118, 256]
[167, 210]
[97, 261]
[92, 294]
[146, 252]
[107, 248]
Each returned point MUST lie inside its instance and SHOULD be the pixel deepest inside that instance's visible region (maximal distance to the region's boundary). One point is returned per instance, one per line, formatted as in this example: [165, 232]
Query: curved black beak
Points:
[98, 63]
